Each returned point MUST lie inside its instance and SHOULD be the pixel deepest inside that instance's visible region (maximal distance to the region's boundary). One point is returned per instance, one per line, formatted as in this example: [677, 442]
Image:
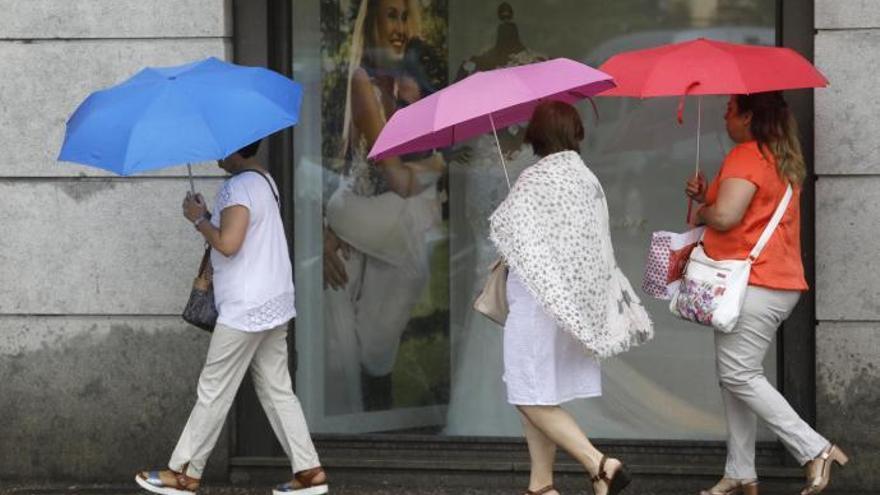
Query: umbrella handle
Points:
[192, 184]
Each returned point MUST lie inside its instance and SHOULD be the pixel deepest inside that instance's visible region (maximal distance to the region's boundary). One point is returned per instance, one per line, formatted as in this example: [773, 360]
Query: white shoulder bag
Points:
[712, 291]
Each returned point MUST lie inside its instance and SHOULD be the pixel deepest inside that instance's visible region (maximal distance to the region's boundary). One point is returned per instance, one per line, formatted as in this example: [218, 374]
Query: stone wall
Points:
[847, 223]
[97, 371]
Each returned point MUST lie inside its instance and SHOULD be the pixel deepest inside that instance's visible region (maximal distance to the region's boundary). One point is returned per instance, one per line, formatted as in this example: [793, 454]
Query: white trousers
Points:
[230, 354]
[746, 392]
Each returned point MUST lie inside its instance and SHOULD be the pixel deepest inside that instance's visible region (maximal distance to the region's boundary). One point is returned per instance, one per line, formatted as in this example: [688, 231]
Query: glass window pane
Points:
[390, 256]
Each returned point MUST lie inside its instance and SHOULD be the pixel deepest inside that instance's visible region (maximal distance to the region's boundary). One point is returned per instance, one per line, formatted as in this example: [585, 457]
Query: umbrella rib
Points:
[213, 135]
[223, 148]
[126, 167]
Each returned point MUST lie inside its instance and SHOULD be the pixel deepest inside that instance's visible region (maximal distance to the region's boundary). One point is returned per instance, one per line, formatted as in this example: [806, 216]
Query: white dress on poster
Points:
[387, 268]
[477, 389]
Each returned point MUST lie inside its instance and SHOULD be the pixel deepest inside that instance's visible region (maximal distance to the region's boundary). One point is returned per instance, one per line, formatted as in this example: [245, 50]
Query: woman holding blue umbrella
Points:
[202, 111]
[254, 295]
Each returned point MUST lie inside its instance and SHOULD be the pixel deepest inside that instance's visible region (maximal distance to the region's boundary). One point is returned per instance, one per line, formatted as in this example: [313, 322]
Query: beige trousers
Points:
[746, 392]
[230, 354]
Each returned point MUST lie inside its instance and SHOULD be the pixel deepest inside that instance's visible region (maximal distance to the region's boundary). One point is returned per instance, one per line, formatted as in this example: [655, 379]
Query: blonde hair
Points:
[362, 39]
[775, 129]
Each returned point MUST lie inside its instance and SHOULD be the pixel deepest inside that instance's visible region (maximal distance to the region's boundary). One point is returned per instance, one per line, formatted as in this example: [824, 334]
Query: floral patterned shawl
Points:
[553, 231]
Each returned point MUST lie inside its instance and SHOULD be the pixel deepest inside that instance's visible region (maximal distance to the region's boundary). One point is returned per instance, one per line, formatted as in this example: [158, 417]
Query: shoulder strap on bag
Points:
[271, 188]
[771, 227]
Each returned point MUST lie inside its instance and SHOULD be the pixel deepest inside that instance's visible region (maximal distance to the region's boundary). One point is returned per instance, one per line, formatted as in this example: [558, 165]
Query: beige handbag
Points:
[492, 301]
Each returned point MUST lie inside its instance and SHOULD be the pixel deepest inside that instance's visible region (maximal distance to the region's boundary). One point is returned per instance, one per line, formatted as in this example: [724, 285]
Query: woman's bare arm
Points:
[367, 118]
[229, 238]
[734, 197]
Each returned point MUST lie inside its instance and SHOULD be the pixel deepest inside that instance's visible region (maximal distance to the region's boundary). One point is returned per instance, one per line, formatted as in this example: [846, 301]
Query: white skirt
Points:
[543, 365]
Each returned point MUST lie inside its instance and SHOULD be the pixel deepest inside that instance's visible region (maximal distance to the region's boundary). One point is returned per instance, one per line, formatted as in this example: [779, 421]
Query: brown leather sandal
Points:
[542, 491]
[304, 483]
[182, 485]
[617, 482]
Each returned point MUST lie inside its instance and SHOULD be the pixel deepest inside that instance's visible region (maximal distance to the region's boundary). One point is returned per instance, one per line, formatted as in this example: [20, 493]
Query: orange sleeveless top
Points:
[779, 266]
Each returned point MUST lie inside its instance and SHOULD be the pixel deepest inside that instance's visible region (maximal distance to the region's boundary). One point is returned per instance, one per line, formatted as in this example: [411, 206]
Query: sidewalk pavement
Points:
[36, 489]
[56, 489]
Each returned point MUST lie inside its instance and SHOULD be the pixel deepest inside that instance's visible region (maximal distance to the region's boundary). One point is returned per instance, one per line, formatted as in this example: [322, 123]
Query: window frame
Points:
[263, 36]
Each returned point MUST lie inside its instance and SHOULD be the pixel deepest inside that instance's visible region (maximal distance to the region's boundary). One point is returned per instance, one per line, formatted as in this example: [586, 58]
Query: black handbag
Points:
[200, 310]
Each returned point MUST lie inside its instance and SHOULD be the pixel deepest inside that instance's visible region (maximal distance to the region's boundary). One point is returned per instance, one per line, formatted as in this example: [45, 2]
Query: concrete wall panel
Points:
[97, 246]
[847, 14]
[96, 398]
[846, 112]
[50, 19]
[848, 378]
[847, 261]
[847, 151]
[44, 82]
[98, 372]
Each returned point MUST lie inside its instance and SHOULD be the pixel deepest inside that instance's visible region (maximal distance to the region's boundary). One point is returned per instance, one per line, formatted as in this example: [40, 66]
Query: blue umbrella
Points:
[165, 116]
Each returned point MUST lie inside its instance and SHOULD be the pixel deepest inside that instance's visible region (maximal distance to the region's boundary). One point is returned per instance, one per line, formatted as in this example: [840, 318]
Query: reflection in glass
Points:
[398, 340]
[383, 242]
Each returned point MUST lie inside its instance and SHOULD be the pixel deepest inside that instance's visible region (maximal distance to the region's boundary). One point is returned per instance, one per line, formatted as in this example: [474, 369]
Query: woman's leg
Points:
[542, 452]
[275, 391]
[739, 357]
[229, 355]
[561, 428]
[742, 427]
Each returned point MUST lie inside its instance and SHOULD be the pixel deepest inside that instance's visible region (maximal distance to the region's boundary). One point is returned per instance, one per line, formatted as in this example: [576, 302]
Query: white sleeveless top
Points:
[253, 289]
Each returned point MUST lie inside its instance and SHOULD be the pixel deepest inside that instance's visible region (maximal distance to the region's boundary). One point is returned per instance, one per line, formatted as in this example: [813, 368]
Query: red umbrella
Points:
[708, 67]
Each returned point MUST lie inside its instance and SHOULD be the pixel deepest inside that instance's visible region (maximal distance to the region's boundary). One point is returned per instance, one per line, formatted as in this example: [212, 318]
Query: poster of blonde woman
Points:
[386, 308]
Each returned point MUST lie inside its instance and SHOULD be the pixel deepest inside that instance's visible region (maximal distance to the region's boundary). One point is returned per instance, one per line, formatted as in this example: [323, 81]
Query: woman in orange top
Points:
[736, 207]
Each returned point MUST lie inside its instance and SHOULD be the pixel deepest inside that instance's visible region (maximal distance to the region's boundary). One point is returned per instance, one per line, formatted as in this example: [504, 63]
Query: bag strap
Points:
[771, 227]
[206, 260]
[271, 188]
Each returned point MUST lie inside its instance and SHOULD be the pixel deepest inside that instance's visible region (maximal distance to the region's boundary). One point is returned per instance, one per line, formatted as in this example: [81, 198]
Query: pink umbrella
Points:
[485, 102]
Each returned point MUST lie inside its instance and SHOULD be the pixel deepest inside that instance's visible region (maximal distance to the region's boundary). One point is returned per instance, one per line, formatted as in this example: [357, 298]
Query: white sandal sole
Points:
[313, 490]
[161, 491]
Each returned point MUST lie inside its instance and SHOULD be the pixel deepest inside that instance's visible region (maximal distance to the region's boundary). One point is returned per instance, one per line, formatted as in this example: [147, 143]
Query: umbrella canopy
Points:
[165, 116]
[484, 102]
[709, 67]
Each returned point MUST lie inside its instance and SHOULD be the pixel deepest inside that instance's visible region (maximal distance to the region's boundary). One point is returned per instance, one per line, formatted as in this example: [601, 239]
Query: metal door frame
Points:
[263, 36]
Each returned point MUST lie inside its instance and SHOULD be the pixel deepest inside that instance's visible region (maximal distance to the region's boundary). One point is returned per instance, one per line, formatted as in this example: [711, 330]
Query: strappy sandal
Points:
[819, 469]
[542, 491]
[304, 484]
[617, 482]
[730, 486]
[152, 482]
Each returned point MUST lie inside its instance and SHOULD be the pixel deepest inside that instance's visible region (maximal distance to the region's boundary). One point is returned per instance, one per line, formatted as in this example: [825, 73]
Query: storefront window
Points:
[389, 256]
